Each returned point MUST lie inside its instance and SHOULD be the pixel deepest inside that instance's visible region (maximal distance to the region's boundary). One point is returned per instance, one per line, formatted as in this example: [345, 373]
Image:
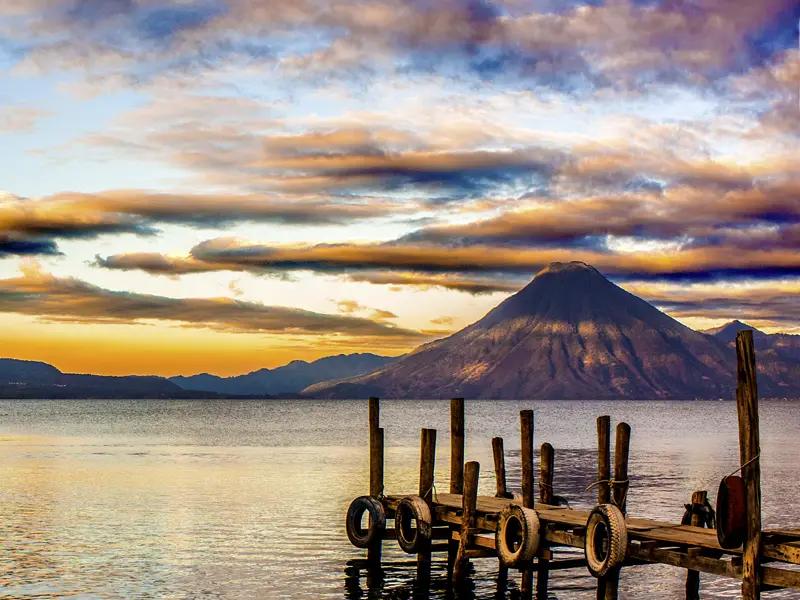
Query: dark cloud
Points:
[27, 247]
[46, 297]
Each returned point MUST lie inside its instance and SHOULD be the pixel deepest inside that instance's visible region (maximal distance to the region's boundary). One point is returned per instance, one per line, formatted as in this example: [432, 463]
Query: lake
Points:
[246, 499]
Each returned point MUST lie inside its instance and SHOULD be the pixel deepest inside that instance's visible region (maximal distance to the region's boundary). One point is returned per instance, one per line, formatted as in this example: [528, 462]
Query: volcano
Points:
[569, 334]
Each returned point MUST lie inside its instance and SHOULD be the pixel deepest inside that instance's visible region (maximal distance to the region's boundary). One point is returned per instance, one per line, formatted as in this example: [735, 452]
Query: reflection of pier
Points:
[532, 537]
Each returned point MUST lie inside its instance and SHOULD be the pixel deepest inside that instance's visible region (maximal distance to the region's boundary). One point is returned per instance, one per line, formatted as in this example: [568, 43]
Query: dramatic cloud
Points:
[70, 300]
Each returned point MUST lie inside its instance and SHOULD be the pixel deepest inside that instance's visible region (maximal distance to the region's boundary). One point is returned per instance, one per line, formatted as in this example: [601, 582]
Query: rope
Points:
[432, 490]
[752, 460]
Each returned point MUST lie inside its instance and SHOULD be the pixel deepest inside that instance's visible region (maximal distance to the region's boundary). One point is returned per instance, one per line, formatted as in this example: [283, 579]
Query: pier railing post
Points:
[603, 477]
[619, 490]
[469, 504]
[693, 577]
[375, 468]
[526, 454]
[457, 426]
[749, 451]
[427, 466]
[546, 467]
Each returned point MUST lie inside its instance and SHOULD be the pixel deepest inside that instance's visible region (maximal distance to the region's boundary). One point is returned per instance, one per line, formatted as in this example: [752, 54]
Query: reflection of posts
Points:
[352, 580]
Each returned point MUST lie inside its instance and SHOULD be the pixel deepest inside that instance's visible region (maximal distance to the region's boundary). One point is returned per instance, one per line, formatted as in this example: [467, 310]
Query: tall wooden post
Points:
[693, 577]
[499, 467]
[376, 461]
[468, 519]
[457, 426]
[619, 490]
[603, 476]
[749, 450]
[546, 468]
[456, 445]
[526, 454]
[427, 466]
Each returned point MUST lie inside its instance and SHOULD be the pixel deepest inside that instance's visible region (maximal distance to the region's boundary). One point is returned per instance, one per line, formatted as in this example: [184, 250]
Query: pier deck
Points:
[761, 559]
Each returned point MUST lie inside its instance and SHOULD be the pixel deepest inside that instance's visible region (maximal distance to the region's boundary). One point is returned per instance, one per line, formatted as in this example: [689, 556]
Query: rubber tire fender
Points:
[731, 513]
[606, 523]
[416, 509]
[358, 536]
[522, 524]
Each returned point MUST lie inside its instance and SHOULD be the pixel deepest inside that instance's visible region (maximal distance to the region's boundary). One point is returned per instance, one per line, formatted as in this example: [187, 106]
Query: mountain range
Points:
[569, 334]
[573, 334]
[293, 377]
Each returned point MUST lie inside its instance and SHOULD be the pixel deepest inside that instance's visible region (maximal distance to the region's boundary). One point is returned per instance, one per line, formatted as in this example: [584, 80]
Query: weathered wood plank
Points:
[468, 520]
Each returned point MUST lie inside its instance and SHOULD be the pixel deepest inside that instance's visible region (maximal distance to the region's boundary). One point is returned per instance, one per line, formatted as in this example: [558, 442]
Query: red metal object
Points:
[731, 513]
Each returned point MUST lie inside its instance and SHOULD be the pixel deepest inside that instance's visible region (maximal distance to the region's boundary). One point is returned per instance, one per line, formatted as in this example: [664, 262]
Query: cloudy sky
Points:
[223, 185]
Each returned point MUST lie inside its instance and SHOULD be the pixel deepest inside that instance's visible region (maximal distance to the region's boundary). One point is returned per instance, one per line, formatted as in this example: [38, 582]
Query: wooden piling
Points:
[457, 427]
[749, 451]
[693, 577]
[376, 461]
[499, 467]
[468, 520]
[619, 491]
[546, 469]
[603, 477]
[427, 466]
[526, 455]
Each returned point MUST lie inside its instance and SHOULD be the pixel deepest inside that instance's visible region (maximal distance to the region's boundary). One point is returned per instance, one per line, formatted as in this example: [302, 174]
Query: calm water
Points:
[246, 499]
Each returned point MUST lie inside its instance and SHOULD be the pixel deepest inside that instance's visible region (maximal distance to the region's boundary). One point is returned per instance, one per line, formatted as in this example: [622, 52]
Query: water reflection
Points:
[246, 500]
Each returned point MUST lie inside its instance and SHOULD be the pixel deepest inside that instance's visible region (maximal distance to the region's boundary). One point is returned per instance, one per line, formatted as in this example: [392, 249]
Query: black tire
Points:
[413, 509]
[606, 539]
[358, 536]
[517, 537]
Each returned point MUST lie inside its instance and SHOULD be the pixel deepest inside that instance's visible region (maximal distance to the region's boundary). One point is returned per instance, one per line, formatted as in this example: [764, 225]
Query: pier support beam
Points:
[468, 520]
[693, 577]
[427, 466]
[603, 477]
[546, 467]
[528, 498]
[499, 467]
[457, 426]
[619, 490]
[749, 451]
[375, 468]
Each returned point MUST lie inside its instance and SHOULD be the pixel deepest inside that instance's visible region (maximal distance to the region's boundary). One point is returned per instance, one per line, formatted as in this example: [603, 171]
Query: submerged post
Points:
[693, 577]
[375, 468]
[526, 453]
[469, 504]
[546, 467]
[619, 490]
[499, 467]
[749, 451]
[603, 477]
[427, 465]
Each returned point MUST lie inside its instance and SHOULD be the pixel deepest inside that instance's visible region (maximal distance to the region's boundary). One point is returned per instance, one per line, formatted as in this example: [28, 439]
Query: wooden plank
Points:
[468, 520]
[546, 470]
[526, 455]
[749, 450]
[692, 576]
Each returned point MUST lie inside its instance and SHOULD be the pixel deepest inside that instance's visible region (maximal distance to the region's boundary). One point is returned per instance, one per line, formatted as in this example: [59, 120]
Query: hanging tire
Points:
[517, 537]
[358, 536]
[413, 510]
[606, 539]
[731, 513]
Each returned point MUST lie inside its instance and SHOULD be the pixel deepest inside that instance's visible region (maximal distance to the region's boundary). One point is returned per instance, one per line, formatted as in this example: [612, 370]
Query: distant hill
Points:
[573, 334]
[29, 379]
[727, 333]
[292, 377]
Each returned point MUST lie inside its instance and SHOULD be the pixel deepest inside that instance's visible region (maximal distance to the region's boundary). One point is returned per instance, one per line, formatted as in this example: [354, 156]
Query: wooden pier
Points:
[526, 532]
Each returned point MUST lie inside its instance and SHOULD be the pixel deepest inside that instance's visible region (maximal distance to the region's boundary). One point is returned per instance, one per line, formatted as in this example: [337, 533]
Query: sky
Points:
[224, 185]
